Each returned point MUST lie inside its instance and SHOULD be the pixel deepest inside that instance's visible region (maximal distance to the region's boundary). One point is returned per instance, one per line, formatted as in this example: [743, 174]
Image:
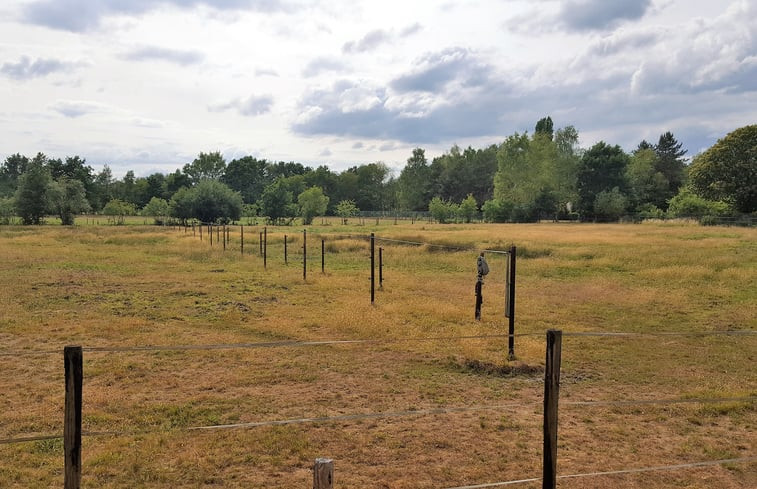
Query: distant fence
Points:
[323, 469]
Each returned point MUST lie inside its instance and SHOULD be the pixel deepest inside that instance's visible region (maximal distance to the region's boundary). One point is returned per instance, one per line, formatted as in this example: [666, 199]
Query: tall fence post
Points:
[510, 303]
[373, 268]
[381, 267]
[285, 250]
[323, 256]
[265, 247]
[200, 226]
[210, 232]
[241, 238]
[72, 357]
[323, 473]
[224, 237]
[304, 254]
[551, 396]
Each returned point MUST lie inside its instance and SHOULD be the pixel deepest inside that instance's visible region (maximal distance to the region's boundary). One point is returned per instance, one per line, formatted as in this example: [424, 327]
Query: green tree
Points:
[602, 168]
[7, 210]
[158, 209]
[496, 210]
[207, 166]
[670, 163]
[248, 176]
[312, 203]
[545, 126]
[346, 209]
[10, 171]
[414, 182]
[30, 197]
[117, 210]
[727, 171]
[66, 198]
[468, 208]
[182, 205]
[689, 204]
[277, 203]
[646, 184]
[215, 202]
[442, 210]
[610, 205]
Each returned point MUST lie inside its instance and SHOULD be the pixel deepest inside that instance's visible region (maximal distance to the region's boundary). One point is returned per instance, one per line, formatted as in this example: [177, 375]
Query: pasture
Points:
[428, 400]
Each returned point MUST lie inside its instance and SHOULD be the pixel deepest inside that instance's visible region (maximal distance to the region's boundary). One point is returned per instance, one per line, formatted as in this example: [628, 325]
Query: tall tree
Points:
[414, 182]
[66, 198]
[727, 171]
[670, 163]
[31, 194]
[312, 203]
[248, 176]
[207, 166]
[11, 169]
[545, 126]
[602, 168]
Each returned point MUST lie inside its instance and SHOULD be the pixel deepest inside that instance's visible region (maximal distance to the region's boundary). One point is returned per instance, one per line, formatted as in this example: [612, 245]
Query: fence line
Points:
[307, 343]
[708, 463]
[387, 414]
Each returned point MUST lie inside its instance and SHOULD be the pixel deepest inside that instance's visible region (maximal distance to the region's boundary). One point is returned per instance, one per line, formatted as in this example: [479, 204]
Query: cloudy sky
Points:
[147, 84]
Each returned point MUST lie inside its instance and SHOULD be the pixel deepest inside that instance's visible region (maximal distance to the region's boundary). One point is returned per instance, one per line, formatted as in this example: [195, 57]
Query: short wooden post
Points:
[381, 267]
[210, 232]
[323, 256]
[200, 226]
[479, 299]
[373, 268]
[323, 473]
[241, 238]
[551, 396]
[265, 247]
[285, 250]
[72, 357]
[224, 237]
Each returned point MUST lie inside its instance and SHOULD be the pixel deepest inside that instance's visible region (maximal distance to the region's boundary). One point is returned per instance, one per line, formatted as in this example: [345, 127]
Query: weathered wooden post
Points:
[241, 238]
[260, 242]
[200, 226]
[323, 256]
[373, 268]
[224, 236]
[510, 302]
[72, 357]
[285, 250]
[551, 396]
[265, 247]
[323, 473]
[210, 233]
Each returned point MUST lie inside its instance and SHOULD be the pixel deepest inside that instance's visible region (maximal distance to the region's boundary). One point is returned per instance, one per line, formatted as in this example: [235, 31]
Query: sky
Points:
[146, 85]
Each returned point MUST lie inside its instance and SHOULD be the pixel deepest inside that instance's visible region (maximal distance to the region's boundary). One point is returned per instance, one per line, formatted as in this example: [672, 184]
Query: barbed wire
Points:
[692, 465]
[388, 414]
[310, 343]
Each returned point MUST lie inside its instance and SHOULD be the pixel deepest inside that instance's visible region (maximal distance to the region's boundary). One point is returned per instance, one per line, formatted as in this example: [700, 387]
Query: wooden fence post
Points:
[224, 236]
[210, 232]
[304, 254]
[323, 256]
[551, 396]
[265, 247]
[241, 238]
[72, 357]
[381, 267]
[285, 250]
[323, 473]
[510, 303]
[373, 268]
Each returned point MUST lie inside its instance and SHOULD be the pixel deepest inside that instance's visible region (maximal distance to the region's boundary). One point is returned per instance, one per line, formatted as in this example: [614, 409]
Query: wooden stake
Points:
[323, 473]
[551, 396]
[72, 357]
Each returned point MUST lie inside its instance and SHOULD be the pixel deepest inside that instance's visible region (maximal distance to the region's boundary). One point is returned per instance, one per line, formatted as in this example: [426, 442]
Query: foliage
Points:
[414, 182]
[312, 203]
[12, 168]
[442, 210]
[248, 176]
[468, 209]
[670, 164]
[30, 198]
[646, 184]
[182, 205]
[346, 209]
[728, 170]
[117, 210]
[66, 198]
[207, 166]
[7, 210]
[610, 205]
[689, 204]
[213, 201]
[497, 210]
[277, 203]
[602, 168]
[545, 126]
[158, 209]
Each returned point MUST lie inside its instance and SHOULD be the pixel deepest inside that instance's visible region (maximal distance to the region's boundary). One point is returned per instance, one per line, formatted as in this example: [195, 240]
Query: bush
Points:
[442, 210]
[497, 210]
[688, 204]
[610, 205]
[117, 210]
[158, 209]
[7, 210]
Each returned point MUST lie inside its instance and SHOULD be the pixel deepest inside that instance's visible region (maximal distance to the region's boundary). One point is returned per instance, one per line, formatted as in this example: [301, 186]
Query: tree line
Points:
[525, 178]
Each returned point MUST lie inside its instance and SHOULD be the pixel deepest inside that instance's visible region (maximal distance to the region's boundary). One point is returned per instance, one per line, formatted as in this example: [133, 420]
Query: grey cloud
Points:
[617, 43]
[357, 145]
[156, 53]
[82, 15]
[369, 42]
[411, 29]
[439, 69]
[325, 153]
[583, 15]
[26, 69]
[76, 108]
[252, 106]
[322, 65]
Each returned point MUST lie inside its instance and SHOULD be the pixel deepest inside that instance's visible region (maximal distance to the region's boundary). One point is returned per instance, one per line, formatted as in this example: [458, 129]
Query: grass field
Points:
[106, 286]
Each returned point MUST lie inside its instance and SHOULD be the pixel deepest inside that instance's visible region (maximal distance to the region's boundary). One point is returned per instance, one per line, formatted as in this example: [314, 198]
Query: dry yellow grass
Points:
[135, 286]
